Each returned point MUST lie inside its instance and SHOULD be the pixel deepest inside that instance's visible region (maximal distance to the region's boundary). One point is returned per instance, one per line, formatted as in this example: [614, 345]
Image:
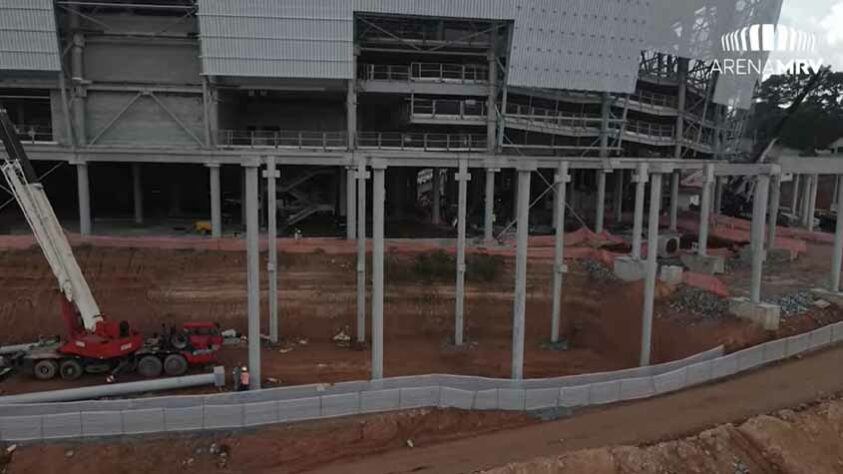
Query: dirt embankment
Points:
[805, 440]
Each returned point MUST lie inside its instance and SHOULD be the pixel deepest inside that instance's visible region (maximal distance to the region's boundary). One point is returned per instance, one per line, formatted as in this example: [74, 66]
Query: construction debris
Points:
[796, 303]
[598, 271]
[688, 299]
[342, 338]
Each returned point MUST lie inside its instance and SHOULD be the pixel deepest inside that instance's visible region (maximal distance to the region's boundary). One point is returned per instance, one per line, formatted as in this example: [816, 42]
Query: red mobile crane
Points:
[91, 342]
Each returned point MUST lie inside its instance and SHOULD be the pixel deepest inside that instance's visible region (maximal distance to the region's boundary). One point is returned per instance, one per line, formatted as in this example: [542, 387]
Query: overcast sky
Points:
[825, 19]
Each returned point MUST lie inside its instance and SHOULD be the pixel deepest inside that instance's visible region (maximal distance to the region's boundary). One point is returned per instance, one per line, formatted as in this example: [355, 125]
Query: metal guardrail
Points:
[34, 134]
[553, 117]
[448, 108]
[657, 131]
[437, 72]
[652, 98]
[421, 141]
[283, 139]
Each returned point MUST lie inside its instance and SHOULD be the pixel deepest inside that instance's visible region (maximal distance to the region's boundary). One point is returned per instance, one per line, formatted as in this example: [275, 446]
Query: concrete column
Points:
[520, 301]
[362, 176]
[834, 202]
[137, 192]
[515, 182]
[84, 198]
[561, 181]
[806, 199]
[77, 76]
[705, 209]
[674, 201]
[216, 200]
[243, 186]
[489, 213]
[351, 112]
[794, 195]
[253, 274]
[436, 190]
[812, 207]
[682, 78]
[272, 176]
[601, 201]
[837, 258]
[652, 269]
[640, 180]
[759, 215]
[377, 269]
[775, 201]
[350, 203]
[462, 177]
[605, 114]
[619, 196]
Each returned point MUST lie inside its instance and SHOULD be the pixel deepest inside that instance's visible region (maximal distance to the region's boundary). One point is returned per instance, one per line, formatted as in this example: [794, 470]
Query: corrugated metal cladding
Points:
[28, 36]
[557, 44]
[272, 38]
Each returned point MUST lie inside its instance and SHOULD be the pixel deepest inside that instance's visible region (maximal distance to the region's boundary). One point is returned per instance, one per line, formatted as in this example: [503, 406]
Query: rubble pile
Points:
[793, 304]
[688, 299]
[598, 271]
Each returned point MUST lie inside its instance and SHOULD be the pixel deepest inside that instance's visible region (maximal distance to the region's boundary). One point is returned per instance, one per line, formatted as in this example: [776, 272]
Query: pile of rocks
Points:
[598, 271]
[688, 299]
[794, 304]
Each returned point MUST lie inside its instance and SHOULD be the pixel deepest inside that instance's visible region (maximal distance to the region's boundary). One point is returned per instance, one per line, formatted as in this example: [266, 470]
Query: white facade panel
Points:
[28, 36]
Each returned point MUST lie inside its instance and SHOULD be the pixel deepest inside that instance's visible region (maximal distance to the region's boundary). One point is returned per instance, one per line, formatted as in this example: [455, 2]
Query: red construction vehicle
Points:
[91, 343]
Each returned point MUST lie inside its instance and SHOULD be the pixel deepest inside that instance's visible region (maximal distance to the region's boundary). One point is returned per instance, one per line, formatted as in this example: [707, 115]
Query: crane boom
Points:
[39, 213]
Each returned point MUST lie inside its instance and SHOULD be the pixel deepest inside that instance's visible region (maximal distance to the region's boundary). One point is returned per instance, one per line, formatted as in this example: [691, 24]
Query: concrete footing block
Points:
[671, 274]
[835, 298]
[629, 269]
[768, 316]
[707, 264]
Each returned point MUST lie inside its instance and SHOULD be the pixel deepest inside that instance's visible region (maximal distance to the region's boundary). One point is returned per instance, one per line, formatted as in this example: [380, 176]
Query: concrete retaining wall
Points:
[308, 402]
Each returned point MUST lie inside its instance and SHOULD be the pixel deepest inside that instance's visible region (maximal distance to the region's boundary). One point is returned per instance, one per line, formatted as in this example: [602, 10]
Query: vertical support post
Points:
[652, 269]
[794, 196]
[216, 200]
[605, 114]
[600, 212]
[77, 75]
[272, 242]
[775, 202]
[682, 78]
[619, 195]
[462, 177]
[640, 178]
[137, 192]
[837, 258]
[674, 200]
[489, 213]
[834, 202]
[83, 187]
[812, 206]
[350, 203]
[561, 180]
[243, 187]
[759, 215]
[705, 209]
[520, 300]
[718, 195]
[206, 111]
[377, 268]
[437, 197]
[253, 274]
[492, 98]
[806, 199]
[351, 112]
[362, 175]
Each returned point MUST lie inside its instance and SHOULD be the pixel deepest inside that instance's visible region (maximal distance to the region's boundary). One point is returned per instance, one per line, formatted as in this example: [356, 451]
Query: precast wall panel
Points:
[28, 36]
[145, 121]
[269, 38]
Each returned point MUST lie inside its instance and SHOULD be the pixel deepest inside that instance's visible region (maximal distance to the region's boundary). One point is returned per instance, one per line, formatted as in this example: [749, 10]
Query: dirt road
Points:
[778, 387]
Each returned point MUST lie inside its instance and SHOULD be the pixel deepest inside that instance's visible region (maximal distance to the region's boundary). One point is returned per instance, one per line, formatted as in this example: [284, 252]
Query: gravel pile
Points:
[598, 271]
[794, 304]
[688, 299]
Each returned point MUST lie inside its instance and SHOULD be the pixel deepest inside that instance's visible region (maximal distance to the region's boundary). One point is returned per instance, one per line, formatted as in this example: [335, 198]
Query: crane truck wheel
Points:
[45, 369]
[175, 365]
[70, 369]
[149, 366]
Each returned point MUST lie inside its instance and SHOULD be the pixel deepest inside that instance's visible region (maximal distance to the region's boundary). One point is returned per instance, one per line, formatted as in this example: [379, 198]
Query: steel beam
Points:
[272, 176]
[759, 215]
[462, 177]
[652, 269]
[253, 274]
[378, 191]
[520, 299]
[561, 181]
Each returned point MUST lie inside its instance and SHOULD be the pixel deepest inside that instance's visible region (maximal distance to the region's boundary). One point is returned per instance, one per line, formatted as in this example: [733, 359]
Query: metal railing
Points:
[652, 98]
[421, 141]
[34, 134]
[283, 139]
[553, 117]
[435, 72]
[653, 130]
[448, 108]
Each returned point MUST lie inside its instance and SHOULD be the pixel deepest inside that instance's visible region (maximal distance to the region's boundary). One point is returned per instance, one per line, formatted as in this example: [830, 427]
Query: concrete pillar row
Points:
[253, 273]
[216, 200]
[83, 187]
[561, 181]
